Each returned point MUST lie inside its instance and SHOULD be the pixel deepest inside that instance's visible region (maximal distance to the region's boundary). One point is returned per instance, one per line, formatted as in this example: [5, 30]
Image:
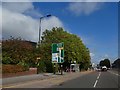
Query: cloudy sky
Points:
[94, 22]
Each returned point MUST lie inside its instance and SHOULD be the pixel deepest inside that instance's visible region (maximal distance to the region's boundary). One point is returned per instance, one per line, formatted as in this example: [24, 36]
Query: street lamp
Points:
[40, 27]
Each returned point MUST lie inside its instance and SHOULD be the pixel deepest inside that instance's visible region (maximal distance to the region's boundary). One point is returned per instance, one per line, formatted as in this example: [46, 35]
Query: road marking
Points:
[113, 73]
[99, 76]
[97, 80]
[95, 83]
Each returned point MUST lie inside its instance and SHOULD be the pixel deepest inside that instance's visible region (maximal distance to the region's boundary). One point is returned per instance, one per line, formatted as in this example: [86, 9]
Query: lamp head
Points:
[48, 15]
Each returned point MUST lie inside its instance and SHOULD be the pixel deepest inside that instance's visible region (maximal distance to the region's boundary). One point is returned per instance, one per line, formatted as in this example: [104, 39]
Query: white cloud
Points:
[50, 22]
[15, 23]
[86, 8]
[33, 13]
[106, 56]
[92, 55]
[18, 25]
[20, 7]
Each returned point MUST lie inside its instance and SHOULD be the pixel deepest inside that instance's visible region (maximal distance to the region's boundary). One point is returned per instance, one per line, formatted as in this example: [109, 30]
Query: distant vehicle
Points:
[97, 69]
[103, 68]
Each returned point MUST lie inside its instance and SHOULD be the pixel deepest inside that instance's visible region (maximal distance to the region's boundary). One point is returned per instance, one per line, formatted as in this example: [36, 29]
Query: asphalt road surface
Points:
[107, 79]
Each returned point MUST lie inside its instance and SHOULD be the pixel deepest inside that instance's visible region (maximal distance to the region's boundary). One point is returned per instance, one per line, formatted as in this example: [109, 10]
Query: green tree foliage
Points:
[74, 48]
[101, 63]
[105, 62]
[41, 66]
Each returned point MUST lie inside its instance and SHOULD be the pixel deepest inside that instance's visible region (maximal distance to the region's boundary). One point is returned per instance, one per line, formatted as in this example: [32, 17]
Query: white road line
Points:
[97, 80]
[114, 73]
[99, 76]
[95, 83]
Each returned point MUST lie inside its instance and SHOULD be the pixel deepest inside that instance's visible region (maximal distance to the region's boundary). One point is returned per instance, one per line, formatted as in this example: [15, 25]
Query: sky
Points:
[96, 23]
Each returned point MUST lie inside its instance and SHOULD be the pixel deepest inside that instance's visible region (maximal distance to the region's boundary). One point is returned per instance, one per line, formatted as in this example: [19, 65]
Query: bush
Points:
[14, 50]
[49, 67]
[6, 60]
[41, 67]
[24, 64]
[12, 68]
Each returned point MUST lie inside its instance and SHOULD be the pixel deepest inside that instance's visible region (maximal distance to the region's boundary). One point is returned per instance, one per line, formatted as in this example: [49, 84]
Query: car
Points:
[103, 68]
[97, 69]
[108, 68]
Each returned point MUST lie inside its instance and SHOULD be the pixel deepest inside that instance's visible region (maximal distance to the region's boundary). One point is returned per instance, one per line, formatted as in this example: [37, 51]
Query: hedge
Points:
[12, 68]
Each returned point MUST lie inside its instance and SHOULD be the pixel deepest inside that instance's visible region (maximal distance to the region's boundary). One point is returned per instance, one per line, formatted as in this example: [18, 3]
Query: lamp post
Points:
[40, 27]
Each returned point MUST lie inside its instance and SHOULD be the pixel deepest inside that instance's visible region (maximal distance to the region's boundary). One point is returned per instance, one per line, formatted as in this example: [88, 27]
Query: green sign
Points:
[57, 53]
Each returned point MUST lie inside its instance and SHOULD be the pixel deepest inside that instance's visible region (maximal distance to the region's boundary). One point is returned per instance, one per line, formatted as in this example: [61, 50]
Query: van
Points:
[104, 68]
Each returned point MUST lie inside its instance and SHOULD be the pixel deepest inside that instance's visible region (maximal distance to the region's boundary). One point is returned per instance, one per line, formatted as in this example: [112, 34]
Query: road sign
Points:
[55, 48]
[57, 53]
[54, 57]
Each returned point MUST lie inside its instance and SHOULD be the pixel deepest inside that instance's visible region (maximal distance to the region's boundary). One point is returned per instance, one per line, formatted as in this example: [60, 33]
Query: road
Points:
[95, 79]
[107, 79]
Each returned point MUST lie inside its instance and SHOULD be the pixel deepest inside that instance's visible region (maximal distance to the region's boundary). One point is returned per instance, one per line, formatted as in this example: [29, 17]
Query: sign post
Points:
[54, 69]
[61, 69]
[58, 54]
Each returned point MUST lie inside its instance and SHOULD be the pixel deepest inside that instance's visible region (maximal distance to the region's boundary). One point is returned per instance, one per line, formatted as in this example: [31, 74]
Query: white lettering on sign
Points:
[54, 57]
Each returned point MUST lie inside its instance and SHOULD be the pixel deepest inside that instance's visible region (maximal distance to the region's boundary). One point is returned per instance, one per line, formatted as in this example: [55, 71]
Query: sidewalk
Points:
[18, 79]
[41, 80]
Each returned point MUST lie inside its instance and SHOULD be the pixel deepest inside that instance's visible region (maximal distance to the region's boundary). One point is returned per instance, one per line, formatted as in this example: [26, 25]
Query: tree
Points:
[105, 62]
[102, 63]
[75, 50]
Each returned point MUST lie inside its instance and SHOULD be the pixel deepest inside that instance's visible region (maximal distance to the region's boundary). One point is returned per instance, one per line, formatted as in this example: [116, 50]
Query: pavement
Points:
[19, 79]
[40, 80]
